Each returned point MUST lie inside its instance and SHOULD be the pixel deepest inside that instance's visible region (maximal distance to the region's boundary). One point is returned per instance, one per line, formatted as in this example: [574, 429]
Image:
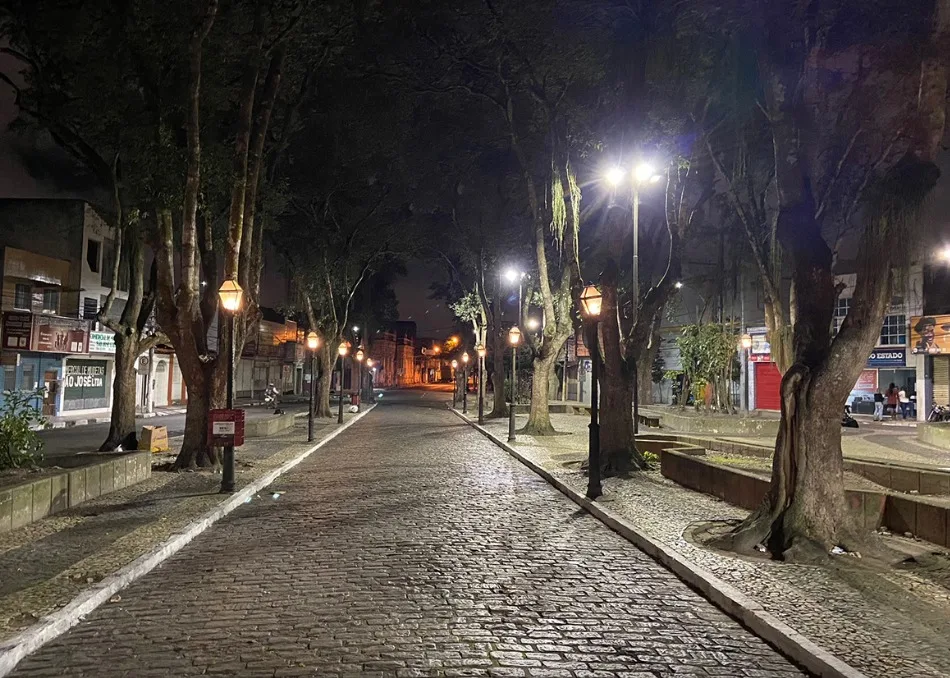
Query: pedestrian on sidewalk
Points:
[892, 400]
[904, 402]
[878, 405]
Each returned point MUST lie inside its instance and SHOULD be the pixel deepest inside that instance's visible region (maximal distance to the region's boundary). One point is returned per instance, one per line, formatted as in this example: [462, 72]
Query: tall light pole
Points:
[342, 349]
[230, 294]
[480, 350]
[372, 374]
[591, 301]
[455, 383]
[514, 338]
[514, 276]
[313, 343]
[465, 382]
[359, 391]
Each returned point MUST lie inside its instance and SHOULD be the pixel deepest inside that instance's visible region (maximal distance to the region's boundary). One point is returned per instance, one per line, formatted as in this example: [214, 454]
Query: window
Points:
[21, 296]
[28, 383]
[93, 250]
[842, 306]
[9, 378]
[90, 307]
[108, 263]
[894, 331]
[50, 301]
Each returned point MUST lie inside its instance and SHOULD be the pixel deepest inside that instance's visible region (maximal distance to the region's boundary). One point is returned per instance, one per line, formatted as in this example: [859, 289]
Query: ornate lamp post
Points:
[231, 295]
[342, 349]
[591, 301]
[372, 374]
[313, 343]
[465, 382]
[514, 338]
[359, 391]
[480, 350]
[455, 383]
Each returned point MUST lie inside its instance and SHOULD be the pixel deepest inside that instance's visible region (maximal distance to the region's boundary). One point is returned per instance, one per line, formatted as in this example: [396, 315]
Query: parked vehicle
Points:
[939, 413]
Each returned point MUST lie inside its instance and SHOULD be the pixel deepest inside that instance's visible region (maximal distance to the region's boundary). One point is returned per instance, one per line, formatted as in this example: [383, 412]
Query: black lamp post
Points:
[480, 349]
[465, 383]
[313, 342]
[230, 294]
[359, 390]
[342, 350]
[591, 301]
[455, 383]
[514, 338]
[369, 386]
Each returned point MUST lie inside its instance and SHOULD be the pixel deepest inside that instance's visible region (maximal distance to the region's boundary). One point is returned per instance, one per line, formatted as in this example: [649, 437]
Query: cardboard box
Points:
[154, 439]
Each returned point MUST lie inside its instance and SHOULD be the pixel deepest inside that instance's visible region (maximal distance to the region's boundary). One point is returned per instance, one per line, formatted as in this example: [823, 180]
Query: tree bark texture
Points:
[122, 423]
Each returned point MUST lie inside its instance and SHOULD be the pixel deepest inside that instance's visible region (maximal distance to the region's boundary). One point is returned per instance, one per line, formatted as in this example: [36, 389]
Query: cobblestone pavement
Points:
[409, 546]
[883, 623]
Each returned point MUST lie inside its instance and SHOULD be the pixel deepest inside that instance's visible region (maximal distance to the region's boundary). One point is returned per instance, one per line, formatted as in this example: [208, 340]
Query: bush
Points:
[19, 443]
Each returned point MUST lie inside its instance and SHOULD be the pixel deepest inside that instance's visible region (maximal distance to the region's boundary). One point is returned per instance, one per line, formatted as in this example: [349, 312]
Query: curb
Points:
[56, 623]
[727, 598]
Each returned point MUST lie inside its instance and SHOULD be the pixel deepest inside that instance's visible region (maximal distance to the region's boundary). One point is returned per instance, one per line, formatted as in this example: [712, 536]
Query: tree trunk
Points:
[195, 452]
[497, 373]
[539, 418]
[325, 369]
[122, 424]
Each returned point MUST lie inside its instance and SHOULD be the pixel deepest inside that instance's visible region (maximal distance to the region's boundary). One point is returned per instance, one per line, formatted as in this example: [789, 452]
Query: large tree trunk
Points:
[539, 417]
[499, 407]
[195, 452]
[325, 369]
[122, 424]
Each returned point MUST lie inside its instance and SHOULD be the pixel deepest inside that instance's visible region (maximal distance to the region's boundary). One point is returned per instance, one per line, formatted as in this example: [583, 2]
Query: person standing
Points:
[892, 400]
[878, 405]
[904, 402]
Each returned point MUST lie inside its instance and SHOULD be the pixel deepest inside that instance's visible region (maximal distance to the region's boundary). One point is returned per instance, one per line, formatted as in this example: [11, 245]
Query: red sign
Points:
[226, 427]
[867, 381]
[53, 334]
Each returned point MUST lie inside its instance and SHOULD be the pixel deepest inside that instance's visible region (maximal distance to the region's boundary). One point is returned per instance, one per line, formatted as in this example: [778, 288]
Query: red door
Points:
[768, 384]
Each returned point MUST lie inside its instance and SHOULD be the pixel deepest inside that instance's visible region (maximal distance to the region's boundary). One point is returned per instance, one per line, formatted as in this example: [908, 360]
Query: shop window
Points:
[21, 296]
[50, 301]
[894, 331]
[9, 378]
[93, 254]
[90, 307]
[28, 383]
[842, 306]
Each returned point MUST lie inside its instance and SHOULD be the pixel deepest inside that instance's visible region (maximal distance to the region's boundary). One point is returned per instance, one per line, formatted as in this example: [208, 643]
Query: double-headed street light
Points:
[342, 349]
[313, 343]
[514, 338]
[480, 350]
[465, 382]
[231, 295]
[359, 390]
[591, 300]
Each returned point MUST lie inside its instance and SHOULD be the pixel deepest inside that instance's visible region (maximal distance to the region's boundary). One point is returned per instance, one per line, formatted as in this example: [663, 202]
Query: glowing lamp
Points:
[514, 336]
[465, 357]
[746, 341]
[231, 295]
[591, 301]
[342, 349]
[480, 349]
[313, 341]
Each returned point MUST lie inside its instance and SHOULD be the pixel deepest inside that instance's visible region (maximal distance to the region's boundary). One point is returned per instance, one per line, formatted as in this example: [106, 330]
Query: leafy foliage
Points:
[707, 352]
[19, 443]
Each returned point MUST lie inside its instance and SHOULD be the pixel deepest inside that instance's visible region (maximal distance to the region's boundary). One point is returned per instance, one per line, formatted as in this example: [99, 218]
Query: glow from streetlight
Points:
[511, 275]
[342, 349]
[230, 294]
[678, 285]
[591, 301]
[313, 341]
[614, 176]
[359, 355]
[356, 328]
[514, 336]
[480, 349]
[532, 324]
[455, 364]
[465, 357]
[643, 173]
[746, 341]
[945, 253]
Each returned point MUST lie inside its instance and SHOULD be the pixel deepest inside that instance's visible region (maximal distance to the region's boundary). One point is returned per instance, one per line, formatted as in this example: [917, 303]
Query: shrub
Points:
[19, 443]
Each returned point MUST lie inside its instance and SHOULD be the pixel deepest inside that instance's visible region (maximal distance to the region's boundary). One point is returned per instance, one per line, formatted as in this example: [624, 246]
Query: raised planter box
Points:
[898, 513]
[717, 425]
[933, 433]
[268, 426]
[26, 503]
[901, 477]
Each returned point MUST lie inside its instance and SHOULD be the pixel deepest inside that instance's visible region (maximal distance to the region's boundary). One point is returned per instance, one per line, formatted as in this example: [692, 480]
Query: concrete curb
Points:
[55, 624]
[727, 598]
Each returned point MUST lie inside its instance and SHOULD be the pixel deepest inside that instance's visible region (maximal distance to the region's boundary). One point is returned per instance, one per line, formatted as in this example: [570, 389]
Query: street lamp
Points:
[746, 342]
[480, 350]
[514, 338]
[532, 324]
[465, 382]
[455, 383]
[591, 301]
[359, 391]
[230, 294]
[342, 349]
[313, 343]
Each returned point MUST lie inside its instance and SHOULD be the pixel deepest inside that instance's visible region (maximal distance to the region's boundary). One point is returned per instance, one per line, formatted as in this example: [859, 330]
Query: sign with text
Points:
[930, 334]
[17, 330]
[888, 357]
[867, 381]
[52, 334]
[85, 384]
[226, 427]
[102, 342]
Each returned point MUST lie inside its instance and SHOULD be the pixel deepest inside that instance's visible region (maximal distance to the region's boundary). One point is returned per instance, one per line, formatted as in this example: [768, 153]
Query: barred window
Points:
[894, 330]
[842, 306]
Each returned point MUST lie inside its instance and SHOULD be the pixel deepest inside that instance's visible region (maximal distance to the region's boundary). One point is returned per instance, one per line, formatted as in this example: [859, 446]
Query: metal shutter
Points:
[768, 382]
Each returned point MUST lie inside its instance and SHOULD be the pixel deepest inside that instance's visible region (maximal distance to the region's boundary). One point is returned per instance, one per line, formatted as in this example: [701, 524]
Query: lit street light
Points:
[465, 382]
[342, 349]
[359, 390]
[514, 338]
[480, 350]
[455, 383]
[532, 324]
[591, 300]
[313, 343]
[230, 294]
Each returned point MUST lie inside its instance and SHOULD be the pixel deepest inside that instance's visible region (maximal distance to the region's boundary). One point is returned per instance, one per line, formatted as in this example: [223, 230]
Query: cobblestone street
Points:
[409, 546]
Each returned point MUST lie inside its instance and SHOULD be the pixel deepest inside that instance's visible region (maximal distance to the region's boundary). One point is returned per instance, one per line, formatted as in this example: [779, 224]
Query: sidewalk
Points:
[884, 622]
[45, 565]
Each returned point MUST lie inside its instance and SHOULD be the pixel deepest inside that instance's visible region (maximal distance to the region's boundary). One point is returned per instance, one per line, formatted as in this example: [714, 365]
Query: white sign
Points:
[102, 342]
[222, 428]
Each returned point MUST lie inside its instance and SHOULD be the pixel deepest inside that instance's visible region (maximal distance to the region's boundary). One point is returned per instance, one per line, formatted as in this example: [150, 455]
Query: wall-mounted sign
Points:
[226, 427]
[17, 330]
[867, 381]
[930, 334]
[888, 357]
[102, 342]
[85, 384]
[52, 334]
[760, 345]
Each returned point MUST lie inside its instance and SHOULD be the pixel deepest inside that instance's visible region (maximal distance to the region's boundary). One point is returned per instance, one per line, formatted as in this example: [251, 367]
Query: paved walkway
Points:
[409, 546]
